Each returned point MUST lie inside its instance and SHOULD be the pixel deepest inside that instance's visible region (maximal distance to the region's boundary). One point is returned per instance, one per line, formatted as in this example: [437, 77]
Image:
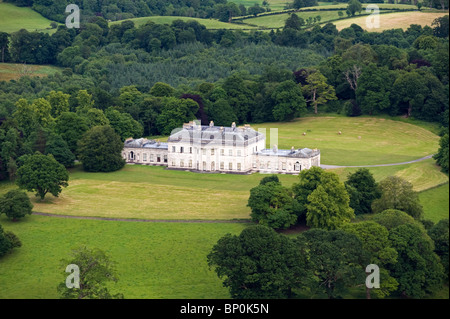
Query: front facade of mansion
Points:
[201, 148]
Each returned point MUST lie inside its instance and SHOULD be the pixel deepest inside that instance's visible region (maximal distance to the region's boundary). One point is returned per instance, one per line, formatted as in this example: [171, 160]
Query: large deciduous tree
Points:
[259, 263]
[363, 190]
[397, 193]
[41, 174]
[100, 150]
[442, 155]
[15, 204]
[318, 90]
[288, 101]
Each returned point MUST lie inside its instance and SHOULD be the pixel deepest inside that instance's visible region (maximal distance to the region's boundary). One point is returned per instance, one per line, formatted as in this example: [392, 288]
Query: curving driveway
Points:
[379, 165]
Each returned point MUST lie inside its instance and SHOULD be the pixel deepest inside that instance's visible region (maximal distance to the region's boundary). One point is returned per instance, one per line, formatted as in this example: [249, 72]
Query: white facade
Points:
[219, 149]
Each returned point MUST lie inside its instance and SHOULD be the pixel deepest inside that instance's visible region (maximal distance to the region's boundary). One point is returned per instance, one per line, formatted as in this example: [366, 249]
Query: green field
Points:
[154, 260]
[14, 71]
[14, 18]
[208, 23]
[435, 203]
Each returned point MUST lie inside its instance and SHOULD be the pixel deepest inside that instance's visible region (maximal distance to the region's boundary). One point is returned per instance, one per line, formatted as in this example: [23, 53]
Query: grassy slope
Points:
[154, 260]
[14, 18]
[208, 23]
[436, 203]
[393, 20]
[13, 71]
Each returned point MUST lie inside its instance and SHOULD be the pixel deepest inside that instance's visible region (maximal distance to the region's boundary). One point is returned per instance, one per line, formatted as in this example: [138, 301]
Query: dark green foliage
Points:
[418, 269]
[335, 257]
[259, 263]
[58, 147]
[15, 204]
[391, 218]
[100, 150]
[8, 241]
[272, 205]
[363, 190]
[288, 101]
[71, 127]
[96, 271]
[439, 235]
[308, 182]
[442, 155]
[397, 193]
[42, 174]
[124, 124]
[268, 179]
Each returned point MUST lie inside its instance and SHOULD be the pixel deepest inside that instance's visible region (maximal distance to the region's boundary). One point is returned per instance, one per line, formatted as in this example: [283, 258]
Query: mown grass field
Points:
[154, 260]
[435, 203]
[397, 20]
[208, 23]
[14, 18]
[14, 71]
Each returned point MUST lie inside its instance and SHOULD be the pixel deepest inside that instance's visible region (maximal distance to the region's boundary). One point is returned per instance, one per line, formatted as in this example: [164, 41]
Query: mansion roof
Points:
[145, 143]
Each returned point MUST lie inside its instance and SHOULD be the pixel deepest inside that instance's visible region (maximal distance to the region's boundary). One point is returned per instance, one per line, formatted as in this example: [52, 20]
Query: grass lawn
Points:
[208, 23]
[154, 260]
[382, 141]
[435, 203]
[14, 18]
[14, 71]
[393, 20]
[274, 5]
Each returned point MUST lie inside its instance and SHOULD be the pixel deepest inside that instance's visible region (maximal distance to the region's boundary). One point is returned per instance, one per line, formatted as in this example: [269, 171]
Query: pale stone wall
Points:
[147, 156]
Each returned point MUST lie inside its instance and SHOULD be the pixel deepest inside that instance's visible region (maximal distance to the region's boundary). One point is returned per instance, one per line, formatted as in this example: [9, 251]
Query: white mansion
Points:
[211, 148]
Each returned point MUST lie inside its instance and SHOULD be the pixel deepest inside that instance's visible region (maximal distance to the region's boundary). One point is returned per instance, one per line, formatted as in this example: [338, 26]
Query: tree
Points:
[8, 241]
[259, 263]
[71, 127]
[96, 270]
[124, 124]
[15, 204]
[318, 90]
[294, 22]
[59, 103]
[174, 113]
[25, 116]
[354, 6]
[335, 258]
[391, 218]
[60, 150]
[375, 240]
[42, 174]
[100, 150]
[4, 47]
[439, 233]
[363, 190]
[397, 193]
[221, 113]
[440, 27]
[442, 155]
[418, 269]
[328, 205]
[409, 88]
[288, 101]
[272, 205]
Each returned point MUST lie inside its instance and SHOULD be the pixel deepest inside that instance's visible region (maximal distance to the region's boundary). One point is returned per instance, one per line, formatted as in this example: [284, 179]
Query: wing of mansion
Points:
[203, 148]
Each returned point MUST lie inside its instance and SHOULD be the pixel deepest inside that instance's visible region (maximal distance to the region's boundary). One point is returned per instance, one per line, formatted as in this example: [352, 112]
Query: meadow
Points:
[154, 260]
[397, 20]
[14, 71]
[14, 18]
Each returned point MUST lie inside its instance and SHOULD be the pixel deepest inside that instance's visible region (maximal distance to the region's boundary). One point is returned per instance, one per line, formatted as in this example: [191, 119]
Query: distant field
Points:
[436, 203]
[393, 20]
[13, 71]
[274, 5]
[14, 18]
[208, 23]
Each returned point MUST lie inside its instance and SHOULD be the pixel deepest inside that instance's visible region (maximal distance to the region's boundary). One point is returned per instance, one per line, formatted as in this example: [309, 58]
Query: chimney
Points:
[233, 125]
[211, 124]
[275, 148]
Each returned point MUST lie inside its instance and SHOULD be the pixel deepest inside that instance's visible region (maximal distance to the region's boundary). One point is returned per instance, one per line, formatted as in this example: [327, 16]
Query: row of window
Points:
[204, 150]
[212, 167]
[148, 157]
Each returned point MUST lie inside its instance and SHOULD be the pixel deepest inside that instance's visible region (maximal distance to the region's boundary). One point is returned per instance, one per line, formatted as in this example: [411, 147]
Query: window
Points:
[151, 158]
[181, 149]
[181, 163]
[173, 163]
[145, 157]
[190, 150]
[297, 166]
[213, 166]
[212, 151]
[222, 152]
[173, 149]
[165, 158]
[204, 166]
[230, 152]
[222, 165]
[283, 166]
[158, 158]
[190, 163]
[230, 166]
[204, 151]
[239, 166]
